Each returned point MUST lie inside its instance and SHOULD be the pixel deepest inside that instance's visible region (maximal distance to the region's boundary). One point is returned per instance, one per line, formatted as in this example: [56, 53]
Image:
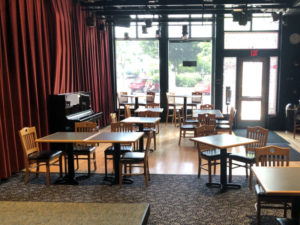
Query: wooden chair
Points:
[188, 121]
[136, 159]
[109, 152]
[183, 128]
[206, 152]
[224, 126]
[127, 111]
[113, 118]
[150, 99]
[206, 119]
[207, 106]
[34, 157]
[122, 100]
[247, 158]
[296, 121]
[172, 105]
[271, 156]
[148, 127]
[83, 149]
[196, 100]
[152, 105]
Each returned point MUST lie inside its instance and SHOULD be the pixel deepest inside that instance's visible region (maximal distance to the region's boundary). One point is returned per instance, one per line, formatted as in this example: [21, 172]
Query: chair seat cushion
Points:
[123, 148]
[211, 153]
[222, 126]
[82, 149]
[188, 126]
[45, 155]
[246, 157]
[222, 122]
[191, 121]
[147, 129]
[133, 156]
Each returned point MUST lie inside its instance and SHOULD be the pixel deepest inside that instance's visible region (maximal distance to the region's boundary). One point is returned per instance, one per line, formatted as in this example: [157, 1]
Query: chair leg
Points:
[209, 171]
[246, 167]
[94, 158]
[230, 170]
[215, 167]
[258, 212]
[179, 137]
[105, 164]
[148, 171]
[48, 173]
[146, 175]
[120, 174]
[60, 166]
[66, 164]
[250, 179]
[199, 166]
[167, 115]
[154, 138]
[37, 172]
[27, 172]
[89, 164]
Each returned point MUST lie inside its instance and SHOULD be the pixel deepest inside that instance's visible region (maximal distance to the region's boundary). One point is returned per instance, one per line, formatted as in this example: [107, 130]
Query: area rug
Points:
[173, 199]
[274, 139]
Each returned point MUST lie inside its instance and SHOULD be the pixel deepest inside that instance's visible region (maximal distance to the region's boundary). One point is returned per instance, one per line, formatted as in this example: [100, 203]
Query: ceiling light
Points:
[126, 36]
[144, 29]
[148, 23]
[157, 35]
[90, 20]
[276, 16]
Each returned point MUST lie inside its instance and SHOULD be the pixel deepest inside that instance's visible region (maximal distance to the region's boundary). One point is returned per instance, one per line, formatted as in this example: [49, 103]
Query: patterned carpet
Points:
[174, 199]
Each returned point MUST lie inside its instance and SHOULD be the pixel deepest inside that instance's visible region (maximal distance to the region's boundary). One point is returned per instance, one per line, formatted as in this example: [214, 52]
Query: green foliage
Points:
[150, 48]
[182, 80]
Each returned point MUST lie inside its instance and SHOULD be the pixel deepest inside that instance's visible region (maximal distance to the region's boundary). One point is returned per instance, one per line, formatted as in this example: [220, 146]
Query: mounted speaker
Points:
[91, 20]
[122, 21]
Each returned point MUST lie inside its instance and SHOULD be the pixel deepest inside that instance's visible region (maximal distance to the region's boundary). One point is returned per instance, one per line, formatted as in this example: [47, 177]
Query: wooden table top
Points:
[158, 110]
[136, 95]
[217, 112]
[224, 140]
[66, 137]
[115, 137]
[279, 180]
[141, 120]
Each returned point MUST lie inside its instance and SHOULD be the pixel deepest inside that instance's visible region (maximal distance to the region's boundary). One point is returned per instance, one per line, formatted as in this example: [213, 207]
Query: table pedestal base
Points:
[66, 180]
[223, 187]
[112, 180]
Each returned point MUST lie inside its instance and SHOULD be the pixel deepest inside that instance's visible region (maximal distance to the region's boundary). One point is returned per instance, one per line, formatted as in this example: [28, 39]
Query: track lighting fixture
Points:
[184, 32]
[144, 29]
[126, 36]
[157, 34]
[148, 23]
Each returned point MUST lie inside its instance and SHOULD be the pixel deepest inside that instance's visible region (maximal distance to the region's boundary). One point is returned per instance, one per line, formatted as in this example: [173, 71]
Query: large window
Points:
[137, 66]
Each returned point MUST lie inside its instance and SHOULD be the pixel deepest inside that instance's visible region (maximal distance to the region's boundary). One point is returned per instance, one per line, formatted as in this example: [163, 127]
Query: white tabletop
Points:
[141, 120]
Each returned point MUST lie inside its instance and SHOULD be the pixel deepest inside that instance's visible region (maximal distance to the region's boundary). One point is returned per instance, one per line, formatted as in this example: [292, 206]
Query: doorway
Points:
[252, 91]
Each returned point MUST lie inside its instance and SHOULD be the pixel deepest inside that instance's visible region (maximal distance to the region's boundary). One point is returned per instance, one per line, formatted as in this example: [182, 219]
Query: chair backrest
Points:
[202, 131]
[197, 97]
[152, 105]
[121, 127]
[127, 111]
[85, 126]
[151, 97]
[170, 98]
[257, 133]
[113, 117]
[29, 146]
[121, 98]
[231, 116]
[207, 106]
[272, 156]
[143, 114]
[207, 119]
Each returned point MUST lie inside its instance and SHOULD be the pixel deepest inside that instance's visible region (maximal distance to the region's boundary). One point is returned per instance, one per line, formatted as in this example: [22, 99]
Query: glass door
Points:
[251, 95]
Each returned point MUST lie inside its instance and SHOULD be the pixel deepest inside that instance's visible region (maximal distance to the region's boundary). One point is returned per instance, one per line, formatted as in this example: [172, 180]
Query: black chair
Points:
[296, 121]
[183, 128]
[226, 125]
[247, 158]
[271, 156]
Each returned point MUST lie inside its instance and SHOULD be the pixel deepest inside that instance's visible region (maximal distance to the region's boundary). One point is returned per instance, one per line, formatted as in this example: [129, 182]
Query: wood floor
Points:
[169, 158]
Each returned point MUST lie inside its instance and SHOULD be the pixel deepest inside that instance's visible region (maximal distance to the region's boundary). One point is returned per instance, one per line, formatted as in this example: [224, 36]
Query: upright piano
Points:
[66, 109]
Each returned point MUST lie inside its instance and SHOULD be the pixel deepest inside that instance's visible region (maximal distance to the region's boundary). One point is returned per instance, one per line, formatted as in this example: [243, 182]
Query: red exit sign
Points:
[254, 53]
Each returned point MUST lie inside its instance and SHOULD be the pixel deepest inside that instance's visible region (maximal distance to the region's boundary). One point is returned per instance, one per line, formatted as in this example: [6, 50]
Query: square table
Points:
[69, 138]
[184, 102]
[216, 112]
[222, 142]
[140, 121]
[117, 138]
[156, 110]
[136, 97]
[284, 181]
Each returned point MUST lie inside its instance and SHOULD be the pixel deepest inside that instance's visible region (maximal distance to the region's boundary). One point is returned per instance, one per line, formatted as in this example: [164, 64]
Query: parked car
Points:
[143, 85]
[204, 88]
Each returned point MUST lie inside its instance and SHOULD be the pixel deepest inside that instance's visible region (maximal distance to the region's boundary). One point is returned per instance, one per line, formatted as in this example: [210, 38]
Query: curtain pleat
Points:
[46, 48]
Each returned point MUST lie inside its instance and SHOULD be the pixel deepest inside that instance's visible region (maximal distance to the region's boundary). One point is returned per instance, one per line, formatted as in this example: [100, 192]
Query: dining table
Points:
[116, 138]
[184, 102]
[140, 121]
[69, 138]
[216, 112]
[281, 181]
[144, 109]
[136, 98]
[223, 142]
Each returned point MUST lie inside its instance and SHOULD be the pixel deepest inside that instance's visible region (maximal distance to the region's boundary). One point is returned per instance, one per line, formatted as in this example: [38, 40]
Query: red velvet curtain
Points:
[46, 48]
